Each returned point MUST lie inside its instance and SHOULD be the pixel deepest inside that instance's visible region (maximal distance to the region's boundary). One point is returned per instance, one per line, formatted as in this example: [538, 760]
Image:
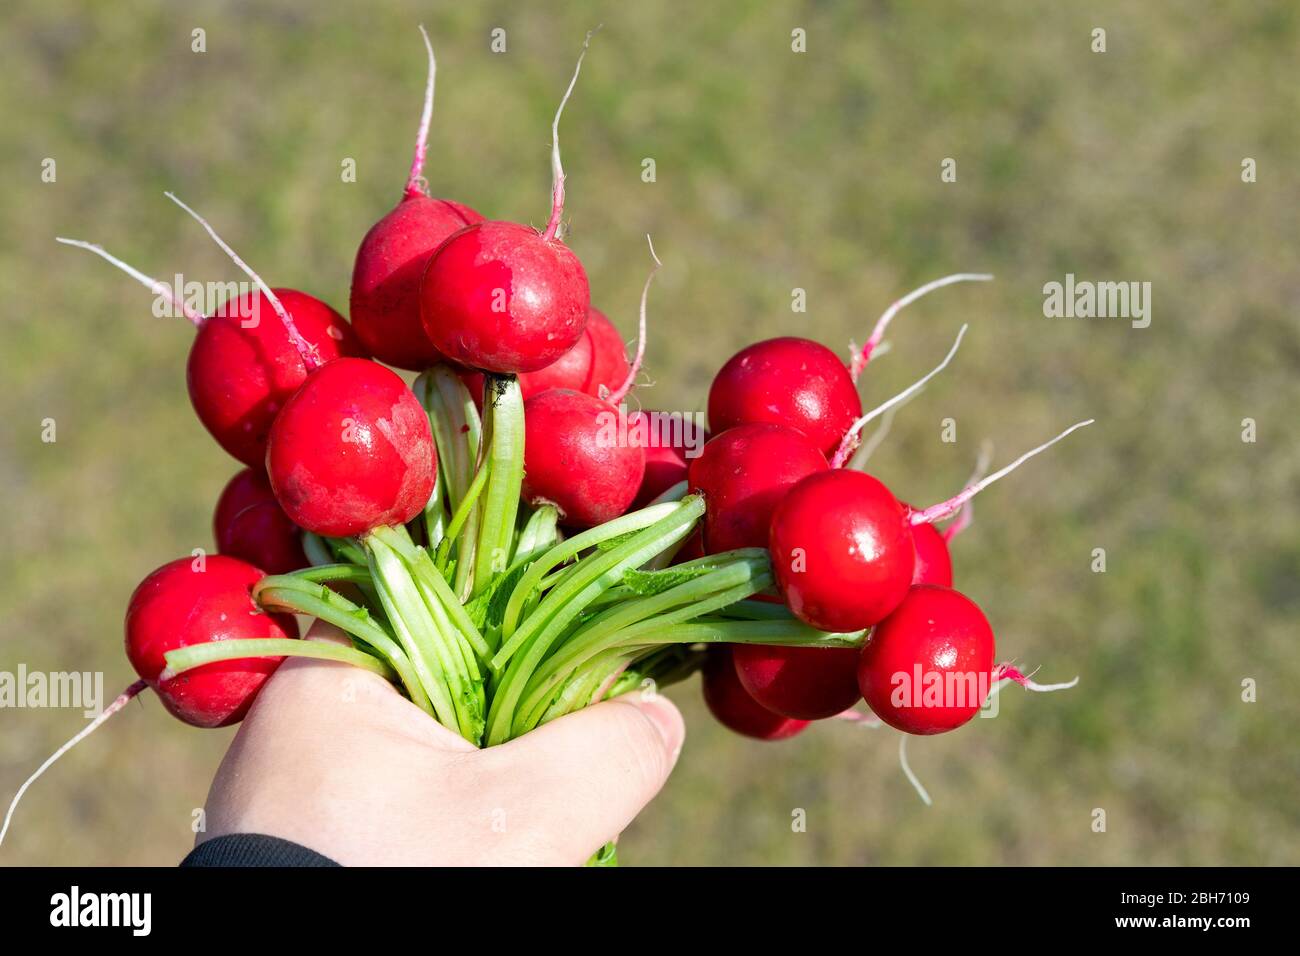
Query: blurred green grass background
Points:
[775, 170]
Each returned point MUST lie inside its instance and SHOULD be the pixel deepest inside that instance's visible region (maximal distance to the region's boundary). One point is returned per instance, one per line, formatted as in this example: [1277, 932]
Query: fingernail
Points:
[668, 721]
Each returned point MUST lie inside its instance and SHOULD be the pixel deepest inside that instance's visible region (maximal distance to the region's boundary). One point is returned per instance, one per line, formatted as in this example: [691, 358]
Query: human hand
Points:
[333, 758]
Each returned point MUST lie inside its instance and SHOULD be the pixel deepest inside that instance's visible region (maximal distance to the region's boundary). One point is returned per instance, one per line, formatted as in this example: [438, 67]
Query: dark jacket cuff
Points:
[253, 849]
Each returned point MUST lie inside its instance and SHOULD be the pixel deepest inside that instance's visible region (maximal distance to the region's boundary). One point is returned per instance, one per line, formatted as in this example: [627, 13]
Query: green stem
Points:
[317, 551]
[539, 534]
[346, 550]
[289, 592]
[759, 611]
[621, 628]
[457, 429]
[607, 855]
[603, 568]
[413, 626]
[426, 575]
[321, 573]
[779, 633]
[567, 600]
[504, 435]
[461, 516]
[196, 655]
[583, 686]
[434, 518]
[425, 615]
[564, 550]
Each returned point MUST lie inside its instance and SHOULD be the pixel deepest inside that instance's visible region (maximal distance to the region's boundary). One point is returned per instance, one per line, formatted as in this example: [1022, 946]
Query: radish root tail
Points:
[415, 184]
[860, 357]
[557, 168]
[122, 700]
[850, 440]
[153, 285]
[967, 513]
[307, 351]
[912, 778]
[635, 369]
[950, 507]
[1007, 672]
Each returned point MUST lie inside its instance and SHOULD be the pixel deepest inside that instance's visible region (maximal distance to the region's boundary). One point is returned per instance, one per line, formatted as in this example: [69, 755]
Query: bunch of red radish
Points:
[493, 553]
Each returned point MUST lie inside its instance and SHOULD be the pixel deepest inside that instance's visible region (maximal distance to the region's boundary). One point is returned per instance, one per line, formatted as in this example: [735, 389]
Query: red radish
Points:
[189, 601]
[735, 709]
[184, 603]
[928, 667]
[842, 551]
[496, 296]
[666, 451]
[573, 460]
[500, 297]
[800, 383]
[580, 452]
[598, 361]
[610, 365]
[351, 451]
[933, 562]
[385, 303]
[241, 368]
[786, 381]
[692, 548]
[239, 378]
[744, 473]
[250, 524]
[860, 357]
[807, 683]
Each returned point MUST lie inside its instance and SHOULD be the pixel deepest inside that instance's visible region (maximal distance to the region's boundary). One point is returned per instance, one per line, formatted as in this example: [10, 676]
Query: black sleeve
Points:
[253, 849]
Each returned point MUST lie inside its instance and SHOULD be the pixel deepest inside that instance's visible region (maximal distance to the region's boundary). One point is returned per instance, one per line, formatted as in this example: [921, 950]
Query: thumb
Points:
[582, 778]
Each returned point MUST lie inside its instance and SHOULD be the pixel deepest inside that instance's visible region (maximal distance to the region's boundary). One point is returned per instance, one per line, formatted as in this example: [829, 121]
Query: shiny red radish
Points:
[598, 361]
[500, 297]
[580, 453]
[240, 377]
[735, 709]
[807, 683]
[385, 300]
[928, 667]
[189, 601]
[786, 381]
[671, 442]
[249, 524]
[610, 364]
[244, 364]
[351, 451]
[842, 550]
[194, 601]
[933, 562]
[497, 296]
[576, 459]
[743, 474]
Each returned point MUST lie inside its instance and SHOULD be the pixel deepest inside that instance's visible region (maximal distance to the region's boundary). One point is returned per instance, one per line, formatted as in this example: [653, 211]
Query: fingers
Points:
[324, 631]
[576, 782]
[329, 694]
